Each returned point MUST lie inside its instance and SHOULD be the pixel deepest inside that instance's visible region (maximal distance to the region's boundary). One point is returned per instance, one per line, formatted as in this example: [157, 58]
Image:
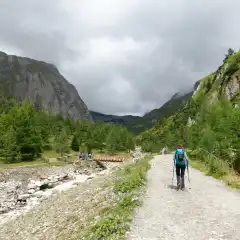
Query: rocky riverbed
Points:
[20, 189]
[56, 202]
[23, 188]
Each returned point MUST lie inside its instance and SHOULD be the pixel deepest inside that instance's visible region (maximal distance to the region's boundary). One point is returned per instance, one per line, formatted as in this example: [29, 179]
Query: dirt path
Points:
[206, 210]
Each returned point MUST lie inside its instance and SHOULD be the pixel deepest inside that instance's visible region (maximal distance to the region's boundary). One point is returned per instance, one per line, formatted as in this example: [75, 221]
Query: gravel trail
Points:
[206, 210]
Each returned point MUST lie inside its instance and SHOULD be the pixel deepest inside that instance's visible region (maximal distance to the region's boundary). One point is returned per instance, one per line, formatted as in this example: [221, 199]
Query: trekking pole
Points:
[188, 174]
[173, 171]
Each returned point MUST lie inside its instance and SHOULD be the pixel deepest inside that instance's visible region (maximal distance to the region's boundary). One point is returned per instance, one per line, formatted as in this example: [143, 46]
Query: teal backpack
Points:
[180, 154]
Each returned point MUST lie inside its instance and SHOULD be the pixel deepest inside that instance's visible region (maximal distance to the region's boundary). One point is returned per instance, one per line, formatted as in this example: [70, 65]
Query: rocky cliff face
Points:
[42, 84]
[224, 83]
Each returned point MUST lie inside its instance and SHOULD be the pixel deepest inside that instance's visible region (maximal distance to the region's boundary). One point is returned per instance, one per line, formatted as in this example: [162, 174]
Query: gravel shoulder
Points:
[207, 209]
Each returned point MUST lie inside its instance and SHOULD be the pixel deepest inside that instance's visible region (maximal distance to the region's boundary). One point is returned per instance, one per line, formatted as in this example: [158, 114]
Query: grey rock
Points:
[38, 183]
[23, 197]
[31, 191]
[42, 84]
[38, 194]
[31, 186]
[76, 183]
[51, 185]
[4, 209]
[90, 177]
[45, 182]
[60, 178]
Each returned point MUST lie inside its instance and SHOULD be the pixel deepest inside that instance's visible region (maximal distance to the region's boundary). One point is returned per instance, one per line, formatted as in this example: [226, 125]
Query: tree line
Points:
[25, 133]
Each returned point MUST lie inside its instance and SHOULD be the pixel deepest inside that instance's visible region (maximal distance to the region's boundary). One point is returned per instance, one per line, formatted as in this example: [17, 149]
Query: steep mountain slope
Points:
[175, 103]
[42, 84]
[209, 122]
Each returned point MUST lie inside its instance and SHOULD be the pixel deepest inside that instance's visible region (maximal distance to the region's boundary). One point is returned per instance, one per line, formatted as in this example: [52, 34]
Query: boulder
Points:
[4, 209]
[31, 191]
[38, 194]
[23, 197]
[31, 186]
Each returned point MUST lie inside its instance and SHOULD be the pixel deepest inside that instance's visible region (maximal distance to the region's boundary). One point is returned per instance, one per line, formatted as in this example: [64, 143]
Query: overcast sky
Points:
[123, 56]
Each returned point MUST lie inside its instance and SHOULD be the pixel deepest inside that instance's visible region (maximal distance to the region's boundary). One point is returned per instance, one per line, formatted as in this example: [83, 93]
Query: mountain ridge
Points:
[42, 84]
[138, 124]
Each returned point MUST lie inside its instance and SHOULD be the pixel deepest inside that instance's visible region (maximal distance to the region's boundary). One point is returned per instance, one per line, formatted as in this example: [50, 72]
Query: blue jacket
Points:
[176, 161]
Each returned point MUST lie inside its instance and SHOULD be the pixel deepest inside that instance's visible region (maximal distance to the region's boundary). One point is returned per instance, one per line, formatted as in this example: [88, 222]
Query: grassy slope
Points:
[216, 168]
[169, 108]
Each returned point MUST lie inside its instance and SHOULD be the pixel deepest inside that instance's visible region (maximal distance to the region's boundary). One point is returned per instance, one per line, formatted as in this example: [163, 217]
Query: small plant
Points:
[113, 226]
[132, 177]
[216, 167]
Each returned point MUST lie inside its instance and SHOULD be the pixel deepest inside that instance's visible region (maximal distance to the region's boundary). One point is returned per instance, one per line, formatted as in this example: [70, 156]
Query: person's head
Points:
[180, 146]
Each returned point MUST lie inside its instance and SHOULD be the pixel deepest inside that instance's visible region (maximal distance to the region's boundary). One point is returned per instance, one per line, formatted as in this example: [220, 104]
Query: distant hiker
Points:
[80, 155]
[166, 150]
[181, 162]
[162, 151]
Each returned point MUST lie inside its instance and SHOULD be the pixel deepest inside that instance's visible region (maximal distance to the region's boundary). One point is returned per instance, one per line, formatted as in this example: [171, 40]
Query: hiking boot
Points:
[178, 182]
[182, 184]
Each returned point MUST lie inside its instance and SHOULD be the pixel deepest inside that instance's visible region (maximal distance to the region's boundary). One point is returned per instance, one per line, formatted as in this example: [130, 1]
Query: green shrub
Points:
[216, 167]
[132, 177]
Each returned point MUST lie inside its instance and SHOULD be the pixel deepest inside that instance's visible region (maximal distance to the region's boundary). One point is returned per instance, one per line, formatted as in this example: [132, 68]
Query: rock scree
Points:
[28, 186]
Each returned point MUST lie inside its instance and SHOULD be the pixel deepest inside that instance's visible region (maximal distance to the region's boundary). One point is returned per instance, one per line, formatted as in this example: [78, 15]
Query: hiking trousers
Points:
[180, 170]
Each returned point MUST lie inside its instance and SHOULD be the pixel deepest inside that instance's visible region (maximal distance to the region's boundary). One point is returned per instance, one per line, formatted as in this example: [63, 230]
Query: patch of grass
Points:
[21, 164]
[232, 180]
[56, 164]
[115, 221]
[217, 168]
[131, 177]
[50, 154]
[35, 163]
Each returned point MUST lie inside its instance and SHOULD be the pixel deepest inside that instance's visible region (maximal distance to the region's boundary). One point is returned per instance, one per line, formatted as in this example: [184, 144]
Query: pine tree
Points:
[61, 143]
[10, 150]
[75, 144]
[111, 142]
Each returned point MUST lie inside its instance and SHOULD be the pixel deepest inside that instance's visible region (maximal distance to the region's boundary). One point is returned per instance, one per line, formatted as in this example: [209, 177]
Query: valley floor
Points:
[207, 209]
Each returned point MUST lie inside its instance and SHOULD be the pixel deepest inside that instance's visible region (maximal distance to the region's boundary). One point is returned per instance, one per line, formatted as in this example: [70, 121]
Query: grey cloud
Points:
[151, 48]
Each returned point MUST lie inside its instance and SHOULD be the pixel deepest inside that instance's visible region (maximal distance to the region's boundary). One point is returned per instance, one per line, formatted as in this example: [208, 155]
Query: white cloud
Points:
[123, 56]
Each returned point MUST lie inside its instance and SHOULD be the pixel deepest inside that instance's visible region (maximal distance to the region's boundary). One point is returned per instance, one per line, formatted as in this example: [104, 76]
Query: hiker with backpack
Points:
[181, 163]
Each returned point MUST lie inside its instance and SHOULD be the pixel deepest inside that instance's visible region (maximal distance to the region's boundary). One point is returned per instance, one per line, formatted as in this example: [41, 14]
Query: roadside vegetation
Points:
[114, 221]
